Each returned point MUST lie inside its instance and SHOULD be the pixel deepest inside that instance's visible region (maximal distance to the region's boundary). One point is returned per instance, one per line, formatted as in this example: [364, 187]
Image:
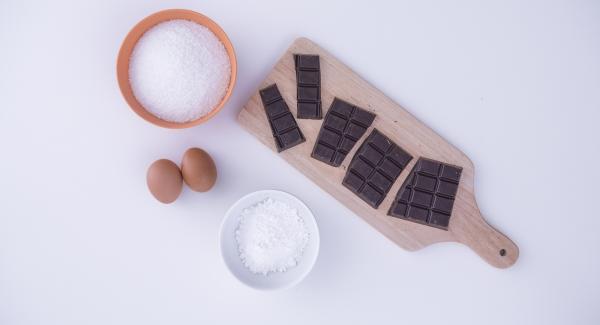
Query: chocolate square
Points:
[346, 145]
[324, 151]
[422, 199]
[307, 62]
[276, 108]
[355, 131]
[417, 214]
[381, 182]
[344, 108]
[400, 208]
[330, 138]
[335, 123]
[291, 138]
[425, 182]
[443, 205]
[353, 181]
[362, 169]
[439, 220]
[306, 110]
[308, 94]
[372, 155]
[270, 94]
[429, 167]
[447, 188]
[450, 173]
[284, 122]
[370, 194]
[391, 169]
[308, 77]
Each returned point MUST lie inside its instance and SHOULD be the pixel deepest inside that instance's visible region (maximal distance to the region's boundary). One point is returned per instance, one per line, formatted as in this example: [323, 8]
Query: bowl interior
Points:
[277, 280]
[137, 32]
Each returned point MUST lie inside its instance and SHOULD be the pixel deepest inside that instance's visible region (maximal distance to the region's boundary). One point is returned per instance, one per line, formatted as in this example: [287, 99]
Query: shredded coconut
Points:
[271, 237]
[179, 70]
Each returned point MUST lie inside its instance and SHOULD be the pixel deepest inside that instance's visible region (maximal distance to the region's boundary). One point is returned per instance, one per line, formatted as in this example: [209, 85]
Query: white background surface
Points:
[514, 84]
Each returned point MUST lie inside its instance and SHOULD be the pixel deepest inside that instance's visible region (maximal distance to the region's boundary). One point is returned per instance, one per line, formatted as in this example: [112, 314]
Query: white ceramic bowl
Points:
[273, 280]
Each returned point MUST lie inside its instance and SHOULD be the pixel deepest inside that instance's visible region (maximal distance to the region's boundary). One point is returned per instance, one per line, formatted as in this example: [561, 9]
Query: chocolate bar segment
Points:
[375, 167]
[283, 125]
[344, 124]
[308, 79]
[427, 196]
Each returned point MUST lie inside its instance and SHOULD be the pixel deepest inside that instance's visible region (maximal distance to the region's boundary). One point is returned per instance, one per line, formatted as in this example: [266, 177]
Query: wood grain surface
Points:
[467, 226]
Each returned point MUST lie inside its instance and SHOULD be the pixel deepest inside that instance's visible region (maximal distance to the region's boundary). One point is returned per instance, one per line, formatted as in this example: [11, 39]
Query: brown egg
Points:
[198, 170]
[164, 180]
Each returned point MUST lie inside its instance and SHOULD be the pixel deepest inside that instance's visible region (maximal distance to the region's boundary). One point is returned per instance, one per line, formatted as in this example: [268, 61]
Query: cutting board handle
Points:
[490, 244]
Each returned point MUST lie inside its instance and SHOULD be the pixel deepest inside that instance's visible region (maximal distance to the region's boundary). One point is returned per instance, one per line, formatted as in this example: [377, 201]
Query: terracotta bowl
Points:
[137, 32]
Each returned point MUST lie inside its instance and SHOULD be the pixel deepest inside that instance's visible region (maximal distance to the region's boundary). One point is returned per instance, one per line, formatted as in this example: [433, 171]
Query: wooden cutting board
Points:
[467, 226]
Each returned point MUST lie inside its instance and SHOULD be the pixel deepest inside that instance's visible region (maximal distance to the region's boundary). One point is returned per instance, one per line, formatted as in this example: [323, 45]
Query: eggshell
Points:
[198, 170]
[164, 180]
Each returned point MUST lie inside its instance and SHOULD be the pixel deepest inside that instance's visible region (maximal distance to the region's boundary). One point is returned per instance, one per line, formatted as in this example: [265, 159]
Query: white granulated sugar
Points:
[271, 237]
[179, 70]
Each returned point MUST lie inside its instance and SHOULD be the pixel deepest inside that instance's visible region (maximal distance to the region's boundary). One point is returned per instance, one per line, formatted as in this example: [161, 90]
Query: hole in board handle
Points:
[502, 252]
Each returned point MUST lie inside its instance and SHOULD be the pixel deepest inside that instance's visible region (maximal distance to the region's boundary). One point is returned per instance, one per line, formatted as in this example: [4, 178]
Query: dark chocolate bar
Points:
[427, 196]
[283, 125]
[308, 79]
[375, 167]
[344, 124]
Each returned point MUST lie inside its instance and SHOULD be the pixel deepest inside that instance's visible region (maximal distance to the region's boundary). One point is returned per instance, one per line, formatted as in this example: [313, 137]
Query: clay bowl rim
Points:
[131, 40]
